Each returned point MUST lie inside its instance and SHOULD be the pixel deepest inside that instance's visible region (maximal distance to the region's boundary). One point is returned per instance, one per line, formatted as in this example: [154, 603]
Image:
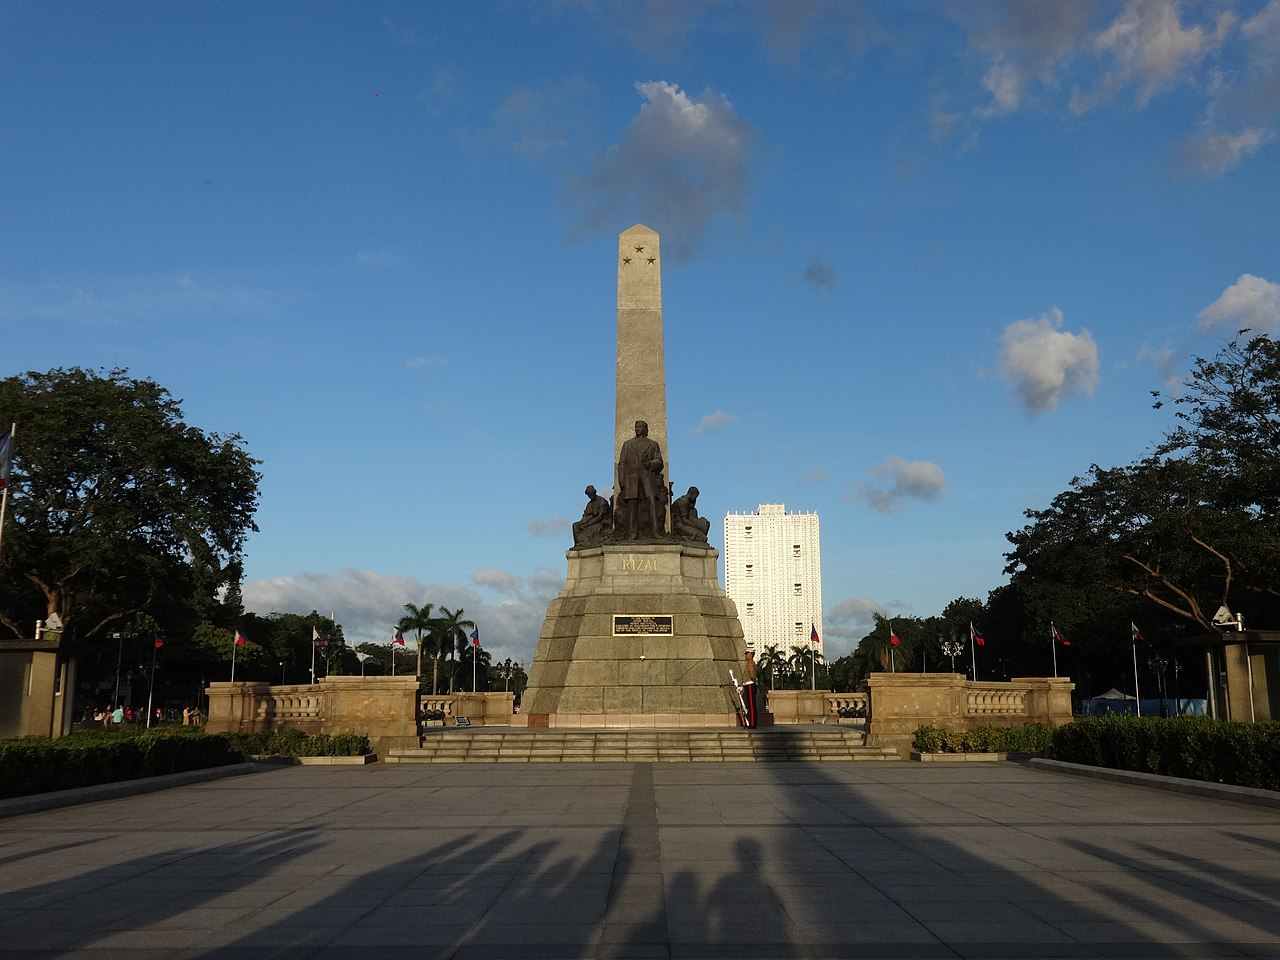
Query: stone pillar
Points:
[641, 378]
[233, 707]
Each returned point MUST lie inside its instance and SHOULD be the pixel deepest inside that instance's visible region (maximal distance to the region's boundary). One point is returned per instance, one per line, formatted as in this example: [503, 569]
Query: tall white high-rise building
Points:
[773, 572]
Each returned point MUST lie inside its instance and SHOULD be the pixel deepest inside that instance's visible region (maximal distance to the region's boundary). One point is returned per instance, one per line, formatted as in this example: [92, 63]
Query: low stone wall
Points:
[480, 709]
[814, 706]
[384, 709]
[899, 703]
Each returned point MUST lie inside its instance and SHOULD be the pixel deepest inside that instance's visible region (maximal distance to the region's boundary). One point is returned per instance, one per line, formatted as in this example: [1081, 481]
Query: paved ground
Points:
[895, 860]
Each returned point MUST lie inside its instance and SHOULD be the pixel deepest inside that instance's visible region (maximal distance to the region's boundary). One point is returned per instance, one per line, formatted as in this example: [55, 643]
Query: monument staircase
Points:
[499, 745]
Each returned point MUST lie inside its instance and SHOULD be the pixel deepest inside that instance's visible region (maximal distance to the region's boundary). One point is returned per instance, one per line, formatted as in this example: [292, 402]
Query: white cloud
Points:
[1148, 45]
[852, 619]
[908, 480]
[1214, 154]
[714, 421]
[367, 603]
[1026, 43]
[1046, 363]
[680, 163]
[548, 527]
[499, 581]
[539, 122]
[1249, 302]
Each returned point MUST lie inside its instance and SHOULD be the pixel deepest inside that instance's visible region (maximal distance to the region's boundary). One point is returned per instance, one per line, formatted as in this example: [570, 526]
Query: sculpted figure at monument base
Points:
[685, 522]
[596, 525]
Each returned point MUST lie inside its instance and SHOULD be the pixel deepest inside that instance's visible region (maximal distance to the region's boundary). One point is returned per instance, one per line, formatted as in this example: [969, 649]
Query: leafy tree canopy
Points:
[117, 506]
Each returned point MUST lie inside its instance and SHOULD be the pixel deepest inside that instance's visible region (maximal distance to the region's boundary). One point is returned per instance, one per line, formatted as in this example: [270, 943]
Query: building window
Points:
[747, 530]
[799, 629]
[796, 549]
[797, 589]
[751, 609]
[748, 569]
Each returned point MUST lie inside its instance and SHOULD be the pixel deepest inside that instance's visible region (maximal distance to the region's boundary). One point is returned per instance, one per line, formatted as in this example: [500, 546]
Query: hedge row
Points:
[40, 765]
[1033, 738]
[295, 743]
[1198, 748]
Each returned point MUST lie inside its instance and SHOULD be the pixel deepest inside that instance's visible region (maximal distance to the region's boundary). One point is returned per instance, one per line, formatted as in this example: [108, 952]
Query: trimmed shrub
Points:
[295, 743]
[1032, 738]
[40, 765]
[1196, 748]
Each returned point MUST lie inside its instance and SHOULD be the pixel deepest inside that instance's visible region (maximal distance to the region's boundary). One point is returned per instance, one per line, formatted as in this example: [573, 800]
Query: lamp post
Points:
[952, 649]
[282, 673]
[1158, 665]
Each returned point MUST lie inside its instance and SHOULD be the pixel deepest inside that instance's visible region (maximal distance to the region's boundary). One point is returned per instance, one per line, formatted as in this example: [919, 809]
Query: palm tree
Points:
[451, 634]
[418, 619]
[770, 659]
[798, 662]
[483, 660]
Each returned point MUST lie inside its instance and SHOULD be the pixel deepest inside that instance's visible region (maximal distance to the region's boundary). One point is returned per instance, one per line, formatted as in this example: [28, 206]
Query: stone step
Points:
[496, 745]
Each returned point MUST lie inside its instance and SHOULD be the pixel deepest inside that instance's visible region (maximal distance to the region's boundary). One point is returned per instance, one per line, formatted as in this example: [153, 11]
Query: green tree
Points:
[117, 506]
[419, 620]
[482, 660]
[1193, 526]
[453, 635]
[769, 662]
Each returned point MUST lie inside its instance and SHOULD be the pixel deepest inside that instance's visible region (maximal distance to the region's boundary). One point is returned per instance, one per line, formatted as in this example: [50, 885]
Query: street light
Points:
[282, 673]
[1158, 665]
[952, 649]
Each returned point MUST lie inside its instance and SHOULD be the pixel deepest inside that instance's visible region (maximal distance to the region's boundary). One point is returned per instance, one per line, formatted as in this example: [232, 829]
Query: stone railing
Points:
[992, 701]
[816, 706]
[900, 703]
[293, 706]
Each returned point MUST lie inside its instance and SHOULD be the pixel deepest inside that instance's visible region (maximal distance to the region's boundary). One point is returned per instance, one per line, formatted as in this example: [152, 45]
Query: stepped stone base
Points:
[493, 745]
[588, 671]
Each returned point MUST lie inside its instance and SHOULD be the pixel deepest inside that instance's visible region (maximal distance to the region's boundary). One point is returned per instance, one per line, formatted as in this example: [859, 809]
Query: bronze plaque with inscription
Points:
[643, 625]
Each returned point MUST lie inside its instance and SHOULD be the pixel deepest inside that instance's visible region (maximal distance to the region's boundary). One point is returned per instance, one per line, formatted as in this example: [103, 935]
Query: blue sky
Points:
[924, 263]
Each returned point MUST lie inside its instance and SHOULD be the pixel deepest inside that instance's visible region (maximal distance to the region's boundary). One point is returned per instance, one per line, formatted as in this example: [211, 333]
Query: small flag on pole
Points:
[6, 457]
[241, 639]
[475, 637]
[893, 637]
[1138, 636]
[398, 638]
[976, 635]
[159, 643]
[813, 633]
[1058, 637]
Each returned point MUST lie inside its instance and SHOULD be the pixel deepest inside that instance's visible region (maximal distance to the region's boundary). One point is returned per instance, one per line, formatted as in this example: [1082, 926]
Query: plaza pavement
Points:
[697, 860]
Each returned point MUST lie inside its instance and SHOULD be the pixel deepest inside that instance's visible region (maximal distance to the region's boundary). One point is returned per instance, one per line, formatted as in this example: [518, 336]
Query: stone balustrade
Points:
[900, 703]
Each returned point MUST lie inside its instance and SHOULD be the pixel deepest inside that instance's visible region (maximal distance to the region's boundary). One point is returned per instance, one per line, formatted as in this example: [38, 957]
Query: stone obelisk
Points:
[642, 635]
[641, 389]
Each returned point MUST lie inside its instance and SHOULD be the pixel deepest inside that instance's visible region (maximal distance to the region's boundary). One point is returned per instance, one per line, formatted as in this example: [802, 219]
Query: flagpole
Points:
[392, 648]
[973, 652]
[4, 499]
[1137, 697]
[152, 689]
[1053, 642]
[233, 655]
